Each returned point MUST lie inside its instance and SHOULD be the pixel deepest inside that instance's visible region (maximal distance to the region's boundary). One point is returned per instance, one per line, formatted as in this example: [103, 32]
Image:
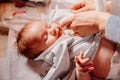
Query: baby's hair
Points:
[23, 41]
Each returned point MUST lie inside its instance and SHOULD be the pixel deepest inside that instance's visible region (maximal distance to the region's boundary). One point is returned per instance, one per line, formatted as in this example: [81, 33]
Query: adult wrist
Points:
[102, 21]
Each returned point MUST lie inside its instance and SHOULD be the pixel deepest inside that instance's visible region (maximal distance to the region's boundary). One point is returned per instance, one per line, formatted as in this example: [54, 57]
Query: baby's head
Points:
[36, 37]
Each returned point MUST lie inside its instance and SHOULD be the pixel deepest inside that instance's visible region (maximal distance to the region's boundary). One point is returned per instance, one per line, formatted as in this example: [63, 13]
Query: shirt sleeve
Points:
[113, 29]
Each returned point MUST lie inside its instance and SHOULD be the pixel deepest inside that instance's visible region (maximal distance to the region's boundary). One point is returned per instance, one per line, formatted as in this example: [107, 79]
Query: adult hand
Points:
[88, 22]
[84, 5]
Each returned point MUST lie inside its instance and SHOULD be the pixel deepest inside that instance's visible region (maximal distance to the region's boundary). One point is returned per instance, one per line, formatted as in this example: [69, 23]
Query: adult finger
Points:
[83, 9]
[78, 5]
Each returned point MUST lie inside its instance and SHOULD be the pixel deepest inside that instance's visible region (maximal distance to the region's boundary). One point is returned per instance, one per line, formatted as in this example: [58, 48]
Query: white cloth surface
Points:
[60, 55]
[4, 69]
[115, 65]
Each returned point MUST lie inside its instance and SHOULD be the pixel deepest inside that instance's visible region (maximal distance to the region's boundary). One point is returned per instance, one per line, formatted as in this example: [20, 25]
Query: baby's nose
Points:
[53, 32]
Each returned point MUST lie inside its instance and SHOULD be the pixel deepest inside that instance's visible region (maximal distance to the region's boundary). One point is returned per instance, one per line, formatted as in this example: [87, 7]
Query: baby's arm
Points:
[82, 68]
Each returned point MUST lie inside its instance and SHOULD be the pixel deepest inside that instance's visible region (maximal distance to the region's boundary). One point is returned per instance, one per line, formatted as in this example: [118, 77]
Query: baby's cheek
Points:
[51, 41]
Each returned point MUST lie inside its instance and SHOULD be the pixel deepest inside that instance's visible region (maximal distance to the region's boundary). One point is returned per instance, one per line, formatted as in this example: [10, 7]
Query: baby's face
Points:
[45, 34]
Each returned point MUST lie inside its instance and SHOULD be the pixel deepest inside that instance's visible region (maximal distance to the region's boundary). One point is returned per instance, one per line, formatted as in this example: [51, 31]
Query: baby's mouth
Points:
[59, 32]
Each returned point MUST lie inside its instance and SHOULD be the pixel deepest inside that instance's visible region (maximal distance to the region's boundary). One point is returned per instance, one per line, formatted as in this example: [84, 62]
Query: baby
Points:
[37, 38]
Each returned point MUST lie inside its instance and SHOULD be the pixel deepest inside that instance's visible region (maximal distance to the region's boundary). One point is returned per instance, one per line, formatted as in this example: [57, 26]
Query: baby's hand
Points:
[83, 67]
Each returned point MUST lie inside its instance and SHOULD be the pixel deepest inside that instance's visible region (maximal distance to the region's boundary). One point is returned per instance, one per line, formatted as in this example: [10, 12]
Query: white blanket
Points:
[58, 60]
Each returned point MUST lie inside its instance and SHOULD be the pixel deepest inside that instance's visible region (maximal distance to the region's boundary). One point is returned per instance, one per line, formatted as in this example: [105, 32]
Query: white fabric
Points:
[100, 5]
[115, 7]
[64, 50]
[4, 70]
[62, 4]
[59, 16]
[115, 65]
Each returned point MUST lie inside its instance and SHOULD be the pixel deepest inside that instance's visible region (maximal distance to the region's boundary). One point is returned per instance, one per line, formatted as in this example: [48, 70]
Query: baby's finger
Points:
[79, 58]
[77, 61]
[88, 70]
[81, 62]
[86, 66]
[81, 55]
